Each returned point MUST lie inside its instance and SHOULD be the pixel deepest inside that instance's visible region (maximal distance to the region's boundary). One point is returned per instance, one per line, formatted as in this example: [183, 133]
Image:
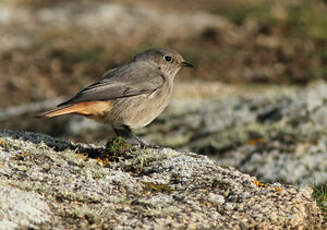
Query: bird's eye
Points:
[168, 58]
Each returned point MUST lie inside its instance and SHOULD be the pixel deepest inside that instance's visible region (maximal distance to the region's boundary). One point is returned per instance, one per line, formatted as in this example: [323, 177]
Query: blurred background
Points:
[251, 58]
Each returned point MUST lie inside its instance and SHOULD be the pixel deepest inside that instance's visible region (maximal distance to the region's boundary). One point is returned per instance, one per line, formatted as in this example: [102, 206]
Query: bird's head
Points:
[168, 61]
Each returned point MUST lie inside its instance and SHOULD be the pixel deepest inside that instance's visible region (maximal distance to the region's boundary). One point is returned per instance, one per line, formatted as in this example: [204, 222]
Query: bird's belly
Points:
[139, 111]
[145, 111]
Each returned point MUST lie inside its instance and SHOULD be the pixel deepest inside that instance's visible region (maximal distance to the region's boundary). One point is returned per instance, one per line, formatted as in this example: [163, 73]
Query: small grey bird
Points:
[129, 96]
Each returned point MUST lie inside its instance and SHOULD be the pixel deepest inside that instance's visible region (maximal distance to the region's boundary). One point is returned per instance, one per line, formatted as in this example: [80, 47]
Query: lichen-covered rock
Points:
[21, 208]
[76, 186]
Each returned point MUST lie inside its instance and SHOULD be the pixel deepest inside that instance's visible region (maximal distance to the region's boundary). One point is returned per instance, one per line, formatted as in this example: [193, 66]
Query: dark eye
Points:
[168, 58]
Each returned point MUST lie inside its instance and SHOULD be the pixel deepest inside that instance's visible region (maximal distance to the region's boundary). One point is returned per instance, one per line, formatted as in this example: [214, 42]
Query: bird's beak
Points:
[186, 64]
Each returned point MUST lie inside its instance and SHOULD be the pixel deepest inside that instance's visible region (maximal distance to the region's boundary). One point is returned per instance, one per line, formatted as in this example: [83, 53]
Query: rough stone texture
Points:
[143, 189]
[21, 208]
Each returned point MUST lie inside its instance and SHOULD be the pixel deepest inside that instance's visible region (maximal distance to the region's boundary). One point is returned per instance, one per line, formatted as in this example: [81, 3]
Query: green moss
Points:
[153, 188]
[320, 194]
[117, 146]
[116, 150]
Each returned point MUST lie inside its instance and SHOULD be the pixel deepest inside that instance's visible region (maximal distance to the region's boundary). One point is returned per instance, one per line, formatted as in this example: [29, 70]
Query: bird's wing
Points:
[129, 80]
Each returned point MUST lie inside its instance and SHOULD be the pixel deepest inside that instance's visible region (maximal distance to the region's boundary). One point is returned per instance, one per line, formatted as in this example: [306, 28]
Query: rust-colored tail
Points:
[94, 108]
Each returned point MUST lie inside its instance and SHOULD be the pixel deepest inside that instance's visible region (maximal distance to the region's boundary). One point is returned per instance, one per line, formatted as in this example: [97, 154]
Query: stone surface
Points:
[141, 188]
[21, 208]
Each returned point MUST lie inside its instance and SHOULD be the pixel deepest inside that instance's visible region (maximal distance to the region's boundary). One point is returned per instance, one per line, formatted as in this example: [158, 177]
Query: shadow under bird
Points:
[129, 96]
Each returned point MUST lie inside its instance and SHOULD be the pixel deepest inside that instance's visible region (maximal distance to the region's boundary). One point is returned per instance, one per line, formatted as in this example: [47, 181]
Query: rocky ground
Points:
[48, 183]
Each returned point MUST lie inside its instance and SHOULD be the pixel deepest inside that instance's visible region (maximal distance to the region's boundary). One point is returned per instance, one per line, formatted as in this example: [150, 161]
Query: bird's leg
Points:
[126, 132]
[122, 132]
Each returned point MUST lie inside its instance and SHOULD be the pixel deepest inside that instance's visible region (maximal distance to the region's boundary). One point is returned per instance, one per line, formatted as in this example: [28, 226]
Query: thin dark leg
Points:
[126, 132]
[123, 132]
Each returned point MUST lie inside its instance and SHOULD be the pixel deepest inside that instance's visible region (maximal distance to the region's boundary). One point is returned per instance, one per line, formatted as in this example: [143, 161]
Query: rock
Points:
[64, 185]
[22, 208]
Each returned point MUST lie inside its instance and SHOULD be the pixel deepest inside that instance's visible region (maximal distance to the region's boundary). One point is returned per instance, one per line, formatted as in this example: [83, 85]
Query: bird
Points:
[129, 96]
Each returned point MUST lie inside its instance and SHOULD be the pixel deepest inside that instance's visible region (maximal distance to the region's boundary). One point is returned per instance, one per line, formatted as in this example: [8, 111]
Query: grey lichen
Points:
[142, 188]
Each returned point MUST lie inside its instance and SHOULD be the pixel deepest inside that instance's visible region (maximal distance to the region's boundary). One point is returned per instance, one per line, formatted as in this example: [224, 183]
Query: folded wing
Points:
[129, 80]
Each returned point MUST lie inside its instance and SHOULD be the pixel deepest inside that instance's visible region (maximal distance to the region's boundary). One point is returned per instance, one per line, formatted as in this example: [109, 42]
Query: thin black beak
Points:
[186, 64]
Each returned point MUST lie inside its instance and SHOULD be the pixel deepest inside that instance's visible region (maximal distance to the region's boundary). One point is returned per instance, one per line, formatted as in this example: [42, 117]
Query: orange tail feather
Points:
[94, 108]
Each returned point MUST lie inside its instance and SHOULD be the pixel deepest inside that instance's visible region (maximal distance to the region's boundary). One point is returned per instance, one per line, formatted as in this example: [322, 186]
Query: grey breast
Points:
[140, 110]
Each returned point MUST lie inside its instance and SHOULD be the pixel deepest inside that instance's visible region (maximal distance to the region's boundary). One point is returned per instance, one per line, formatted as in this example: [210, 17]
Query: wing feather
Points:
[129, 80]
